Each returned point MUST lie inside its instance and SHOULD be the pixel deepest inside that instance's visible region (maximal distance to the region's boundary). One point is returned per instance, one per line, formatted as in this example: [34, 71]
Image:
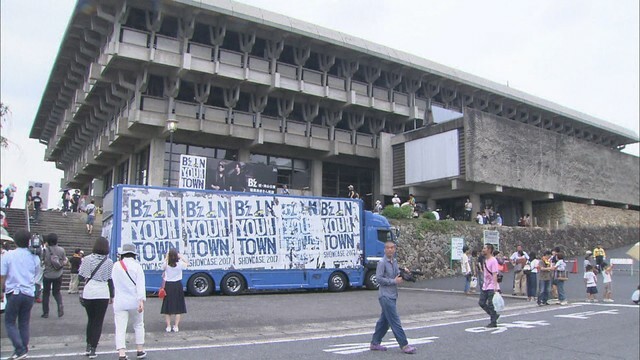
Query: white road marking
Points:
[506, 326]
[609, 305]
[587, 314]
[354, 348]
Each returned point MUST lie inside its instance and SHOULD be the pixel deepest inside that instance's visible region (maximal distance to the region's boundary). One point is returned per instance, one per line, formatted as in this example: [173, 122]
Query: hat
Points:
[128, 249]
[377, 201]
[588, 252]
[350, 186]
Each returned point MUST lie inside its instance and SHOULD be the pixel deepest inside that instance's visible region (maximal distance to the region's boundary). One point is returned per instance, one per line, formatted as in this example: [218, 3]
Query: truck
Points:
[238, 241]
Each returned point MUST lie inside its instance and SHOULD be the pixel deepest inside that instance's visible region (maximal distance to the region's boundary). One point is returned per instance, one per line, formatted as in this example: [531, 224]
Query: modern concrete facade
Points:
[325, 108]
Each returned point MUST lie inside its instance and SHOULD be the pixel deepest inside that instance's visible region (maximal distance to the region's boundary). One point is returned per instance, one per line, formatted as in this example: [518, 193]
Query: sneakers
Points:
[167, 329]
[563, 303]
[125, 357]
[492, 325]
[377, 347]
[608, 300]
[175, 328]
[408, 349]
[141, 354]
[45, 316]
[60, 311]
[92, 353]
[88, 351]
[15, 356]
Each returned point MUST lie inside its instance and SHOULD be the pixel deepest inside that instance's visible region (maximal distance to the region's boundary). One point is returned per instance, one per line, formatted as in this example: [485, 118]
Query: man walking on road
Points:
[18, 277]
[388, 276]
[490, 285]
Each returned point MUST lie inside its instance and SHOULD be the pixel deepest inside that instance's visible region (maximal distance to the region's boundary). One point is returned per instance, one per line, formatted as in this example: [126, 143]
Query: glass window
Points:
[142, 167]
[108, 182]
[384, 236]
[123, 173]
[291, 172]
[258, 159]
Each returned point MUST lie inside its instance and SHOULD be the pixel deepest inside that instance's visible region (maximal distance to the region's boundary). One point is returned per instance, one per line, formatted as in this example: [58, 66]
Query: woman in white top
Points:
[532, 276]
[173, 303]
[130, 295]
[95, 271]
[466, 269]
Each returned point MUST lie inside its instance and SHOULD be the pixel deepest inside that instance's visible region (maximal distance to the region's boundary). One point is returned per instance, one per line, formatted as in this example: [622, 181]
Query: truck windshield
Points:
[384, 235]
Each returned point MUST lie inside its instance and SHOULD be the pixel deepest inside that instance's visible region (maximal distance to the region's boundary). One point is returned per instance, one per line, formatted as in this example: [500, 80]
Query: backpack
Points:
[56, 262]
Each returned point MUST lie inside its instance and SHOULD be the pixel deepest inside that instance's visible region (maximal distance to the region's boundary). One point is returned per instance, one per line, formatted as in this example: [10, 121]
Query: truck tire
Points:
[337, 282]
[370, 281]
[200, 284]
[233, 284]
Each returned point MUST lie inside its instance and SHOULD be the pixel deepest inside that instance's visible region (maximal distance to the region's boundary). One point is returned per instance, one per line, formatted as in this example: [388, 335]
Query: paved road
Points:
[319, 324]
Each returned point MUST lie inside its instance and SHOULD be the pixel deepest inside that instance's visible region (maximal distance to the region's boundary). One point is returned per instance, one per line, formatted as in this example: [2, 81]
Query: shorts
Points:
[90, 219]
[592, 290]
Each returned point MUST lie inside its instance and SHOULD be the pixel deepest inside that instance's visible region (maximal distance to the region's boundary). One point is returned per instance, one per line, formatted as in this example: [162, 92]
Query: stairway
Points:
[71, 231]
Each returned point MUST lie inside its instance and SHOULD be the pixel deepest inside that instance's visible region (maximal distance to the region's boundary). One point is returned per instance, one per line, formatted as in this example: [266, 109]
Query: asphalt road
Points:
[321, 325]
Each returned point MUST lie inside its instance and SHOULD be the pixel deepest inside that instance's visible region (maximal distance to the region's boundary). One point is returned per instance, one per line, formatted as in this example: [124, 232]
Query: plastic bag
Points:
[498, 302]
[474, 282]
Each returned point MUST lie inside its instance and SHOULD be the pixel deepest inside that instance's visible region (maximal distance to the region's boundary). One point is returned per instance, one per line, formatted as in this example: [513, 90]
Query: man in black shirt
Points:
[37, 205]
[76, 201]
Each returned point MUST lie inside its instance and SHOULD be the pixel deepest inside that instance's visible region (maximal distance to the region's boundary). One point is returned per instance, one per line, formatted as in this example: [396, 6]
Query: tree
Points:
[4, 110]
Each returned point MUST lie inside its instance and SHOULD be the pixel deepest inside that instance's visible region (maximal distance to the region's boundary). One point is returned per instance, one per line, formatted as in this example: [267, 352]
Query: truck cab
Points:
[377, 231]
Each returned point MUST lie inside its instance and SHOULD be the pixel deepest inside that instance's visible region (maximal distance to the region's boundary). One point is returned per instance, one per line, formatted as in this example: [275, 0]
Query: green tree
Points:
[4, 110]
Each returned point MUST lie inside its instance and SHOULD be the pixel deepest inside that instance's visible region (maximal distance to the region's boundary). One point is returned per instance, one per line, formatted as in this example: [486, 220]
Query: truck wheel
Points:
[232, 284]
[200, 285]
[337, 282]
[370, 280]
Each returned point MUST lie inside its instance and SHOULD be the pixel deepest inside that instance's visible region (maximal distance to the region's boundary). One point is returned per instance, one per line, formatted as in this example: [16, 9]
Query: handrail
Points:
[26, 207]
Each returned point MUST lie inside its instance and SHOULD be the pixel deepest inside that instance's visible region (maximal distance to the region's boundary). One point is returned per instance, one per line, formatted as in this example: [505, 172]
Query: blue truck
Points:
[237, 241]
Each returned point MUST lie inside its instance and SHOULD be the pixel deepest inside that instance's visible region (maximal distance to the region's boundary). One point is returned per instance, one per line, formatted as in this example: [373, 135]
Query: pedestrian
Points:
[66, 202]
[607, 281]
[465, 266]
[128, 303]
[490, 285]
[479, 218]
[37, 206]
[29, 198]
[75, 261]
[518, 259]
[591, 282]
[498, 220]
[91, 216]
[378, 208]
[54, 260]
[352, 193]
[560, 276]
[527, 220]
[599, 255]
[173, 303]
[9, 193]
[75, 198]
[285, 189]
[388, 276]
[468, 206]
[396, 201]
[545, 273]
[98, 291]
[532, 276]
[17, 277]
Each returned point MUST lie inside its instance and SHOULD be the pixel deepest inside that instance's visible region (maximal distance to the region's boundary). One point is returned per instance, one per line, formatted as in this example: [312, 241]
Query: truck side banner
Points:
[220, 231]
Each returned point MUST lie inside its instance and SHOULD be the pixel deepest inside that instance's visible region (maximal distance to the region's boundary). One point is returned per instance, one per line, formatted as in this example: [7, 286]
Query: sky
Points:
[582, 54]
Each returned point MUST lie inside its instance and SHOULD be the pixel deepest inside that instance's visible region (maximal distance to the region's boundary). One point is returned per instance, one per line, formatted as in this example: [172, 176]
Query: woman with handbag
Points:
[173, 302]
[95, 271]
[466, 269]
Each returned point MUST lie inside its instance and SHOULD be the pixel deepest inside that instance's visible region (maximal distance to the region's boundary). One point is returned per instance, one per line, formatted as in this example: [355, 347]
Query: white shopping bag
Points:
[498, 302]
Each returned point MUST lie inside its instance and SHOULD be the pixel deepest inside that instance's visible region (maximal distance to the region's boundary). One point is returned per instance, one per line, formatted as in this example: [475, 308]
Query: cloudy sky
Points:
[582, 54]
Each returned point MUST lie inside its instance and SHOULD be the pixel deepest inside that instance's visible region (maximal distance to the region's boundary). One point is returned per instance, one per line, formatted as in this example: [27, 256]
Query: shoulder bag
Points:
[127, 271]
[93, 273]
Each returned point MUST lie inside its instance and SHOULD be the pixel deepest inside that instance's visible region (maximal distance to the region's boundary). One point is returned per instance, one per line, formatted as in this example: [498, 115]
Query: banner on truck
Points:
[238, 231]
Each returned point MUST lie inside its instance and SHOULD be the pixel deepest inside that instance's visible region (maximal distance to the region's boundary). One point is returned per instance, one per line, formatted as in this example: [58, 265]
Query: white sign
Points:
[355, 348]
[193, 172]
[43, 189]
[456, 248]
[621, 261]
[492, 237]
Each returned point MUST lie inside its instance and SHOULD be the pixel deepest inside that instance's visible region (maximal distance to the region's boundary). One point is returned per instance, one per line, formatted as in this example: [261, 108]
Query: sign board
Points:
[193, 172]
[43, 189]
[456, 248]
[492, 237]
[240, 176]
[621, 261]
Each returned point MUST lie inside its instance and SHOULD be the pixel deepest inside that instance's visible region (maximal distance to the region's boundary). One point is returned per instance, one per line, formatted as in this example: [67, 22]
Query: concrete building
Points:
[229, 81]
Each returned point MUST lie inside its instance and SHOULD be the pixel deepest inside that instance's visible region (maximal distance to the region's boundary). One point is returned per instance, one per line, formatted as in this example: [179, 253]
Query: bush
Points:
[437, 226]
[429, 215]
[391, 212]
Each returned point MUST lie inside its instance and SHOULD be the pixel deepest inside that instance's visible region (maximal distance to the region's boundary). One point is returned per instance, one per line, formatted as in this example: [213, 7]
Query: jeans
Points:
[121, 319]
[96, 309]
[18, 308]
[532, 284]
[467, 283]
[389, 318]
[36, 215]
[486, 303]
[561, 294]
[543, 297]
[47, 284]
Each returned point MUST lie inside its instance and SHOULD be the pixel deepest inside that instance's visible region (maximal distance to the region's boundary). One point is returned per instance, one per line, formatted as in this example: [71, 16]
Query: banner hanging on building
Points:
[240, 176]
[193, 172]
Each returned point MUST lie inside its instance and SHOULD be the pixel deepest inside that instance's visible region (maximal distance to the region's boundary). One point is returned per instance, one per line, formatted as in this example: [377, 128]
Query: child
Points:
[591, 280]
[606, 276]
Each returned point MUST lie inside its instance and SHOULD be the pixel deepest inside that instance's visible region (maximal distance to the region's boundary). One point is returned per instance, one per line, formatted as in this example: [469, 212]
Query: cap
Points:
[128, 249]
[588, 252]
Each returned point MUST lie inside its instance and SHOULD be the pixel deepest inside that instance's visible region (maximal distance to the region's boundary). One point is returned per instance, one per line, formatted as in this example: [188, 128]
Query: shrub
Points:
[391, 212]
[429, 215]
[437, 226]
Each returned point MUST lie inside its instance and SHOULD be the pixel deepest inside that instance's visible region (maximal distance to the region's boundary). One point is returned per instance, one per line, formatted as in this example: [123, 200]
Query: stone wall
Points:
[522, 156]
[430, 251]
[563, 213]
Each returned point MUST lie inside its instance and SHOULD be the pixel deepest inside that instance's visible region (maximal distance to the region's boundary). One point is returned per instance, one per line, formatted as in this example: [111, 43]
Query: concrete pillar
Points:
[131, 172]
[386, 164]
[475, 201]
[316, 177]
[527, 208]
[156, 161]
[431, 204]
[244, 155]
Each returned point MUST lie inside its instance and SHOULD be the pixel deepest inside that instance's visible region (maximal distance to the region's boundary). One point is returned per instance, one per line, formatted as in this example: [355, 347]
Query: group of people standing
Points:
[120, 283]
